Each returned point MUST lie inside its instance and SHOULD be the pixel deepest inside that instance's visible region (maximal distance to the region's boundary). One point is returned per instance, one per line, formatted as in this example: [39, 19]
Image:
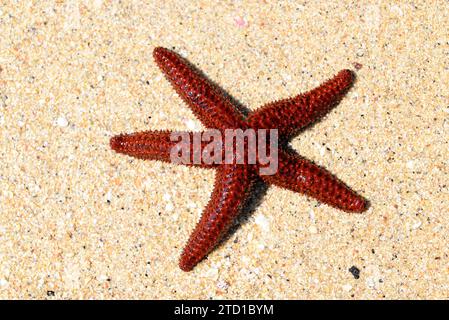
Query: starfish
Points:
[233, 181]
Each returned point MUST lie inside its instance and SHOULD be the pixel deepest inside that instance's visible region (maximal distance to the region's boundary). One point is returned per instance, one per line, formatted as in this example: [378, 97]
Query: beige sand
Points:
[79, 221]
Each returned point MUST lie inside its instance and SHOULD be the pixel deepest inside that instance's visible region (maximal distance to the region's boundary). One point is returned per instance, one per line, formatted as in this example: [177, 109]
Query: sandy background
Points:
[79, 221]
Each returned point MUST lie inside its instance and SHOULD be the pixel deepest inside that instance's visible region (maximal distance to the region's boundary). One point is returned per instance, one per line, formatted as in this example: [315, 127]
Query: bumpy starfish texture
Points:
[234, 181]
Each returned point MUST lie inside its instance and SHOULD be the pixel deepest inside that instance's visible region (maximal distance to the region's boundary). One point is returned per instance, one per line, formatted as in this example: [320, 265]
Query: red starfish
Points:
[233, 181]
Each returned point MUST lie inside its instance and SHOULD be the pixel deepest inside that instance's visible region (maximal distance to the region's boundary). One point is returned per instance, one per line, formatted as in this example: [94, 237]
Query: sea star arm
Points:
[230, 190]
[155, 145]
[207, 102]
[301, 175]
[290, 115]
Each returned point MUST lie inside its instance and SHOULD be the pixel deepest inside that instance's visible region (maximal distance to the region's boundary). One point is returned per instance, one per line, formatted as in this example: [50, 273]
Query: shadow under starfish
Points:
[233, 182]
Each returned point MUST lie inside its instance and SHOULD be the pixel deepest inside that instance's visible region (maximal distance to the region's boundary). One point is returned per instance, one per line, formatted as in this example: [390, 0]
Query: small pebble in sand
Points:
[347, 287]
[263, 222]
[223, 285]
[191, 125]
[166, 197]
[109, 196]
[313, 230]
[169, 207]
[62, 122]
[357, 65]
[240, 22]
[416, 224]
[355, 272]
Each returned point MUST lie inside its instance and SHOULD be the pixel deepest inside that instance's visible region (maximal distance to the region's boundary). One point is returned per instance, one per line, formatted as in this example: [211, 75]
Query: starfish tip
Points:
[160, 52]
[347, 75]
[116, 143]
[186, 267]
[360, 205]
